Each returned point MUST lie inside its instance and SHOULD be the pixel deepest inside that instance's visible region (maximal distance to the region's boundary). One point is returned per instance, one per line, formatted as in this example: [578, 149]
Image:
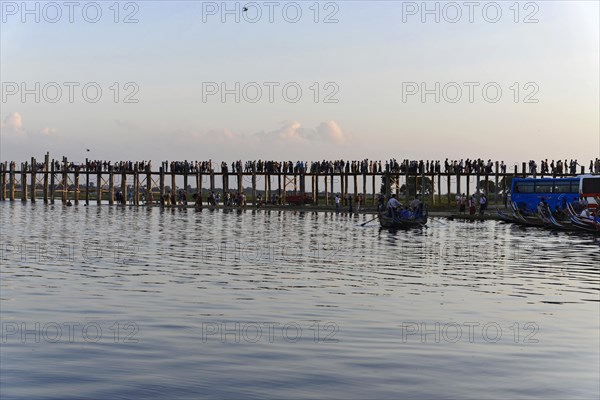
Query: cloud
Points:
[331, 131]
[13, 123]
[293, 131]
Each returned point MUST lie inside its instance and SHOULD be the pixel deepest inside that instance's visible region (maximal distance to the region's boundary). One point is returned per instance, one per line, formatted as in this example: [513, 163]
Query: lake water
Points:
[119, 302]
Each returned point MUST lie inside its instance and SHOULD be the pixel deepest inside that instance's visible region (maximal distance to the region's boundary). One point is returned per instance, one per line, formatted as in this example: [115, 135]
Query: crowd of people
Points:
[366, 166]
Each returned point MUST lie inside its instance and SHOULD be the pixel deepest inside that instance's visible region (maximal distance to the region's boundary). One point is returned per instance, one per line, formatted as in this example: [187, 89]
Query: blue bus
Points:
[527, 193]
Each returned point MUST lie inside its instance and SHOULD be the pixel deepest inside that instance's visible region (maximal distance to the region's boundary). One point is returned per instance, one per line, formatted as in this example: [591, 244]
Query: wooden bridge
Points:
[68, 184]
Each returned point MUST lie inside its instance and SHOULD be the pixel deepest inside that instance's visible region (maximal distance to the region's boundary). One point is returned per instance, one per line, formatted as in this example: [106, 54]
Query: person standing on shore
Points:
[482, 204]
[337, 203]
[349, 204]
[472, 205]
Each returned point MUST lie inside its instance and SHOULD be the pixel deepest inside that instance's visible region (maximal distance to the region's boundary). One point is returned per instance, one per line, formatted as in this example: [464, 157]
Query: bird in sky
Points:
[244, 9]
[87, 149]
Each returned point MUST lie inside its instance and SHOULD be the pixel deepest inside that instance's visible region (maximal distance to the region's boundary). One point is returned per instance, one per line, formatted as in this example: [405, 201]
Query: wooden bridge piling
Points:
[65, 180]
[33, 178]
[76, 184]
[12, 182]
[4, 167]
[23, 182]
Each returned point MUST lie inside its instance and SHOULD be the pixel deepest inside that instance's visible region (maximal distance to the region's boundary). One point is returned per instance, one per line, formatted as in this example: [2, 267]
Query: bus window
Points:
[524, 187]
[543, 187]
[562, 187]
[590, 185]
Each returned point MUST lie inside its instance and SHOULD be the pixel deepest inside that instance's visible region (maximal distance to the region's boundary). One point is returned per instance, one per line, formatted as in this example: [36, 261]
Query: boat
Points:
[389, 222]
[591, 224]
[506, 217]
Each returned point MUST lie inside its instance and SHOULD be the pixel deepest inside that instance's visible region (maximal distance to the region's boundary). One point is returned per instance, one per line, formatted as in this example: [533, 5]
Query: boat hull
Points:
[396, 223]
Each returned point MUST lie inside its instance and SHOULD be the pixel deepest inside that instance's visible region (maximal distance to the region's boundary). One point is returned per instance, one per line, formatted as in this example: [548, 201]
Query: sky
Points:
[305, 80]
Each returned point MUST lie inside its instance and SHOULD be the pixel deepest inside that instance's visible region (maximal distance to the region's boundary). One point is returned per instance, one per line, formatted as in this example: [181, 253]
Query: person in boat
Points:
[543, 207]
[393, 205]
[562, 202]
[415, 204]
[584, 207]
[380, 202]
[577, 207]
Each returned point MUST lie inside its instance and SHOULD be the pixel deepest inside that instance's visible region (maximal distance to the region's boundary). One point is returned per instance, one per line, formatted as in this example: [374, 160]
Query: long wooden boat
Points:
[526, 220]
[387, 221]
[585, 224]
[506, 217]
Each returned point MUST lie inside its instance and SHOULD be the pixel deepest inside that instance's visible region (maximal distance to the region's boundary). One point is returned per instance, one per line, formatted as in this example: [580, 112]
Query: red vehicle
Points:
[298, 199]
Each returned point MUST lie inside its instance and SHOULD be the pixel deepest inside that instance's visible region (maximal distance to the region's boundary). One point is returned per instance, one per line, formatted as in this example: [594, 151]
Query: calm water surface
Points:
[107, 302]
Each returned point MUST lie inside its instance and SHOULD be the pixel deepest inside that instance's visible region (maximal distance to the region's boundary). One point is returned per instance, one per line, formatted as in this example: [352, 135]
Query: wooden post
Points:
[136, 185]
[12, 181]
[212, 179]
[161, 184]
[3, 181]
[111, 186]
[52, 183]
[267, 184]
[279, 186]
[331, 187]
[302, 178]
[496, 182]
[46, 172]
[407, 197]
[504, 187]
[65, 181]
[373, 199]
[316, 190]
[111, 194]
[185, 184]
[225, 183]
[200, 183]
[23, 182]
[448, 175]
[523, 170]
[386, 185]
[254, 202]
[458, 191]
[33, 178]
[343, 189]
[173, 189]
[355, 187]
[468, 185]
[284, 189]
[346, 188]
[76, 185]
[439, 188]
[312, 186]
[87, 183]
[326, 193]
[124, 187]
[433, 188]
[364, 196]
[240, 182]
[149, 195]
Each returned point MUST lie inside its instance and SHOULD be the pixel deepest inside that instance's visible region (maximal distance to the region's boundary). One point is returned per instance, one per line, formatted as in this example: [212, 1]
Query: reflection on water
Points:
[112, 302]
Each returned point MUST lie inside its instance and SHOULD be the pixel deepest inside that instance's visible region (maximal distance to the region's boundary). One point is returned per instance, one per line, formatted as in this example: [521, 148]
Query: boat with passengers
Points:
[557, 203]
